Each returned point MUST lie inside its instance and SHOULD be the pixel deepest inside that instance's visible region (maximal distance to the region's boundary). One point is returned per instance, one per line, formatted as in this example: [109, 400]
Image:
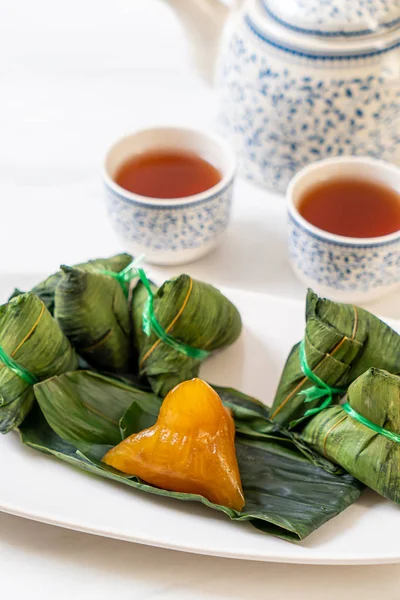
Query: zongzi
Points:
[340, 343]
[33, 347]
[190, 449]
[363, 435]
[92, 311]
[196, 314]
[46, 289]
[287, 492]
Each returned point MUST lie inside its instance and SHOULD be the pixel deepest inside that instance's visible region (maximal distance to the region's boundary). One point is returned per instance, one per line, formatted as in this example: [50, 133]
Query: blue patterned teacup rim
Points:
[378, 171]
[208, 145]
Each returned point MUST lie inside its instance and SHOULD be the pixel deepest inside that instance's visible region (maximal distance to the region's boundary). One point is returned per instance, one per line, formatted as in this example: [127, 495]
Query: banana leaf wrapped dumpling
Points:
[81, 416]
[341, 342]
[34, 348]
[46, 289]
[92, 311]
[195, 314]
[361, 447]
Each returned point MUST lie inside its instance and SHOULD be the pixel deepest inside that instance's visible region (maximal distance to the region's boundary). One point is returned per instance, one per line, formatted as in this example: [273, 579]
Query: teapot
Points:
[300, 80]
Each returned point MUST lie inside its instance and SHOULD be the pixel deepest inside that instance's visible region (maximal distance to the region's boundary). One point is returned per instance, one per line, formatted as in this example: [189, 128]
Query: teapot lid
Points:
[335, 18]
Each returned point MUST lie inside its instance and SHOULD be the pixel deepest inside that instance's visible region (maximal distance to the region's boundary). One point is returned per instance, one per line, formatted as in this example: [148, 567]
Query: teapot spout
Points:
[203, 21]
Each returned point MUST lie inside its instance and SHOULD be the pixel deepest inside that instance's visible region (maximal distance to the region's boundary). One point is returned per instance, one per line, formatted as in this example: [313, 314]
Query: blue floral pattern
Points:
[341, 266]
[282, 110]
[173, 228]
[327, 16]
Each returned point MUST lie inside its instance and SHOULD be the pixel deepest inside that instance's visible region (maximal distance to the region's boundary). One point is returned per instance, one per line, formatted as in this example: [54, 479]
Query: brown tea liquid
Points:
[167, 174]
[352, 207]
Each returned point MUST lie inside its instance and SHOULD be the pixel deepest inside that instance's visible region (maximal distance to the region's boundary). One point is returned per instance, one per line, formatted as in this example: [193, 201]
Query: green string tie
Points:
[151, 324]
[19, 370]
[125, 276]
[393, 437]
[319, 390]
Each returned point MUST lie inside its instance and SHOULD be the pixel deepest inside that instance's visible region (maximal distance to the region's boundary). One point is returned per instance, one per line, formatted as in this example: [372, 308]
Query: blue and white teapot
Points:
[302, 80]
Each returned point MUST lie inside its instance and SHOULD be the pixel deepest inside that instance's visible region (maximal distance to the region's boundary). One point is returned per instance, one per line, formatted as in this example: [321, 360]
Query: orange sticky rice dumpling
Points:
[190, 449]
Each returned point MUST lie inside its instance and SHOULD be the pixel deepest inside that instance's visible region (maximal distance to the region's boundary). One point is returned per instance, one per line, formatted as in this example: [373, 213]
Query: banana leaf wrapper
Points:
[30, 335]
[288, 493]
[341, 343]
[194, 313]
[92, 310]
[46, 289]
[367, 455]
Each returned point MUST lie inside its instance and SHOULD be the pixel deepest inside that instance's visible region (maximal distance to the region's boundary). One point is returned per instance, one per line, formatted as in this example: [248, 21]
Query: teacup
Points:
[170, 231]
[345, 269]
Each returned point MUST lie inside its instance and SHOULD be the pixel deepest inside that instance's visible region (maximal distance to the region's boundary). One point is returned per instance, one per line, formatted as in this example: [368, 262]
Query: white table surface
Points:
[74, 76]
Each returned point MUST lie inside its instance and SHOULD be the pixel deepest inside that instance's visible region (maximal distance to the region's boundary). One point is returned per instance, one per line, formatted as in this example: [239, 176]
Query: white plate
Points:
[38, 487]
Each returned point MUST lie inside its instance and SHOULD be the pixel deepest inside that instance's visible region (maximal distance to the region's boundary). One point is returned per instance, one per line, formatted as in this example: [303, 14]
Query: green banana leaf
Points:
[46, 289]
[86, 407]
[367, 455]
[94, 407]
[194, 313]
[93, 312]
[341, 342]
[252, 420]
[30, 335]
[286, 494]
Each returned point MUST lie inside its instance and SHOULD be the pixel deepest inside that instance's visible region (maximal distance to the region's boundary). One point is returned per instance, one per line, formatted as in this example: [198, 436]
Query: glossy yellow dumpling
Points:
[190, 449]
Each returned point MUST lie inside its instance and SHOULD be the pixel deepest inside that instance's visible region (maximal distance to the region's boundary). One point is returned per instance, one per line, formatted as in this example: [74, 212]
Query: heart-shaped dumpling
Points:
[191, 448]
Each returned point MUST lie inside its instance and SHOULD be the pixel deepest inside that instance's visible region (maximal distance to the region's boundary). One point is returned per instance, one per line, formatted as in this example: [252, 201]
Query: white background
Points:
[73, 77]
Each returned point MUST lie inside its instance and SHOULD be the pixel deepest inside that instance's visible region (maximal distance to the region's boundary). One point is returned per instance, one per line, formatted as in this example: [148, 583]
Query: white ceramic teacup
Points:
[345, 269]
[170, 231]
